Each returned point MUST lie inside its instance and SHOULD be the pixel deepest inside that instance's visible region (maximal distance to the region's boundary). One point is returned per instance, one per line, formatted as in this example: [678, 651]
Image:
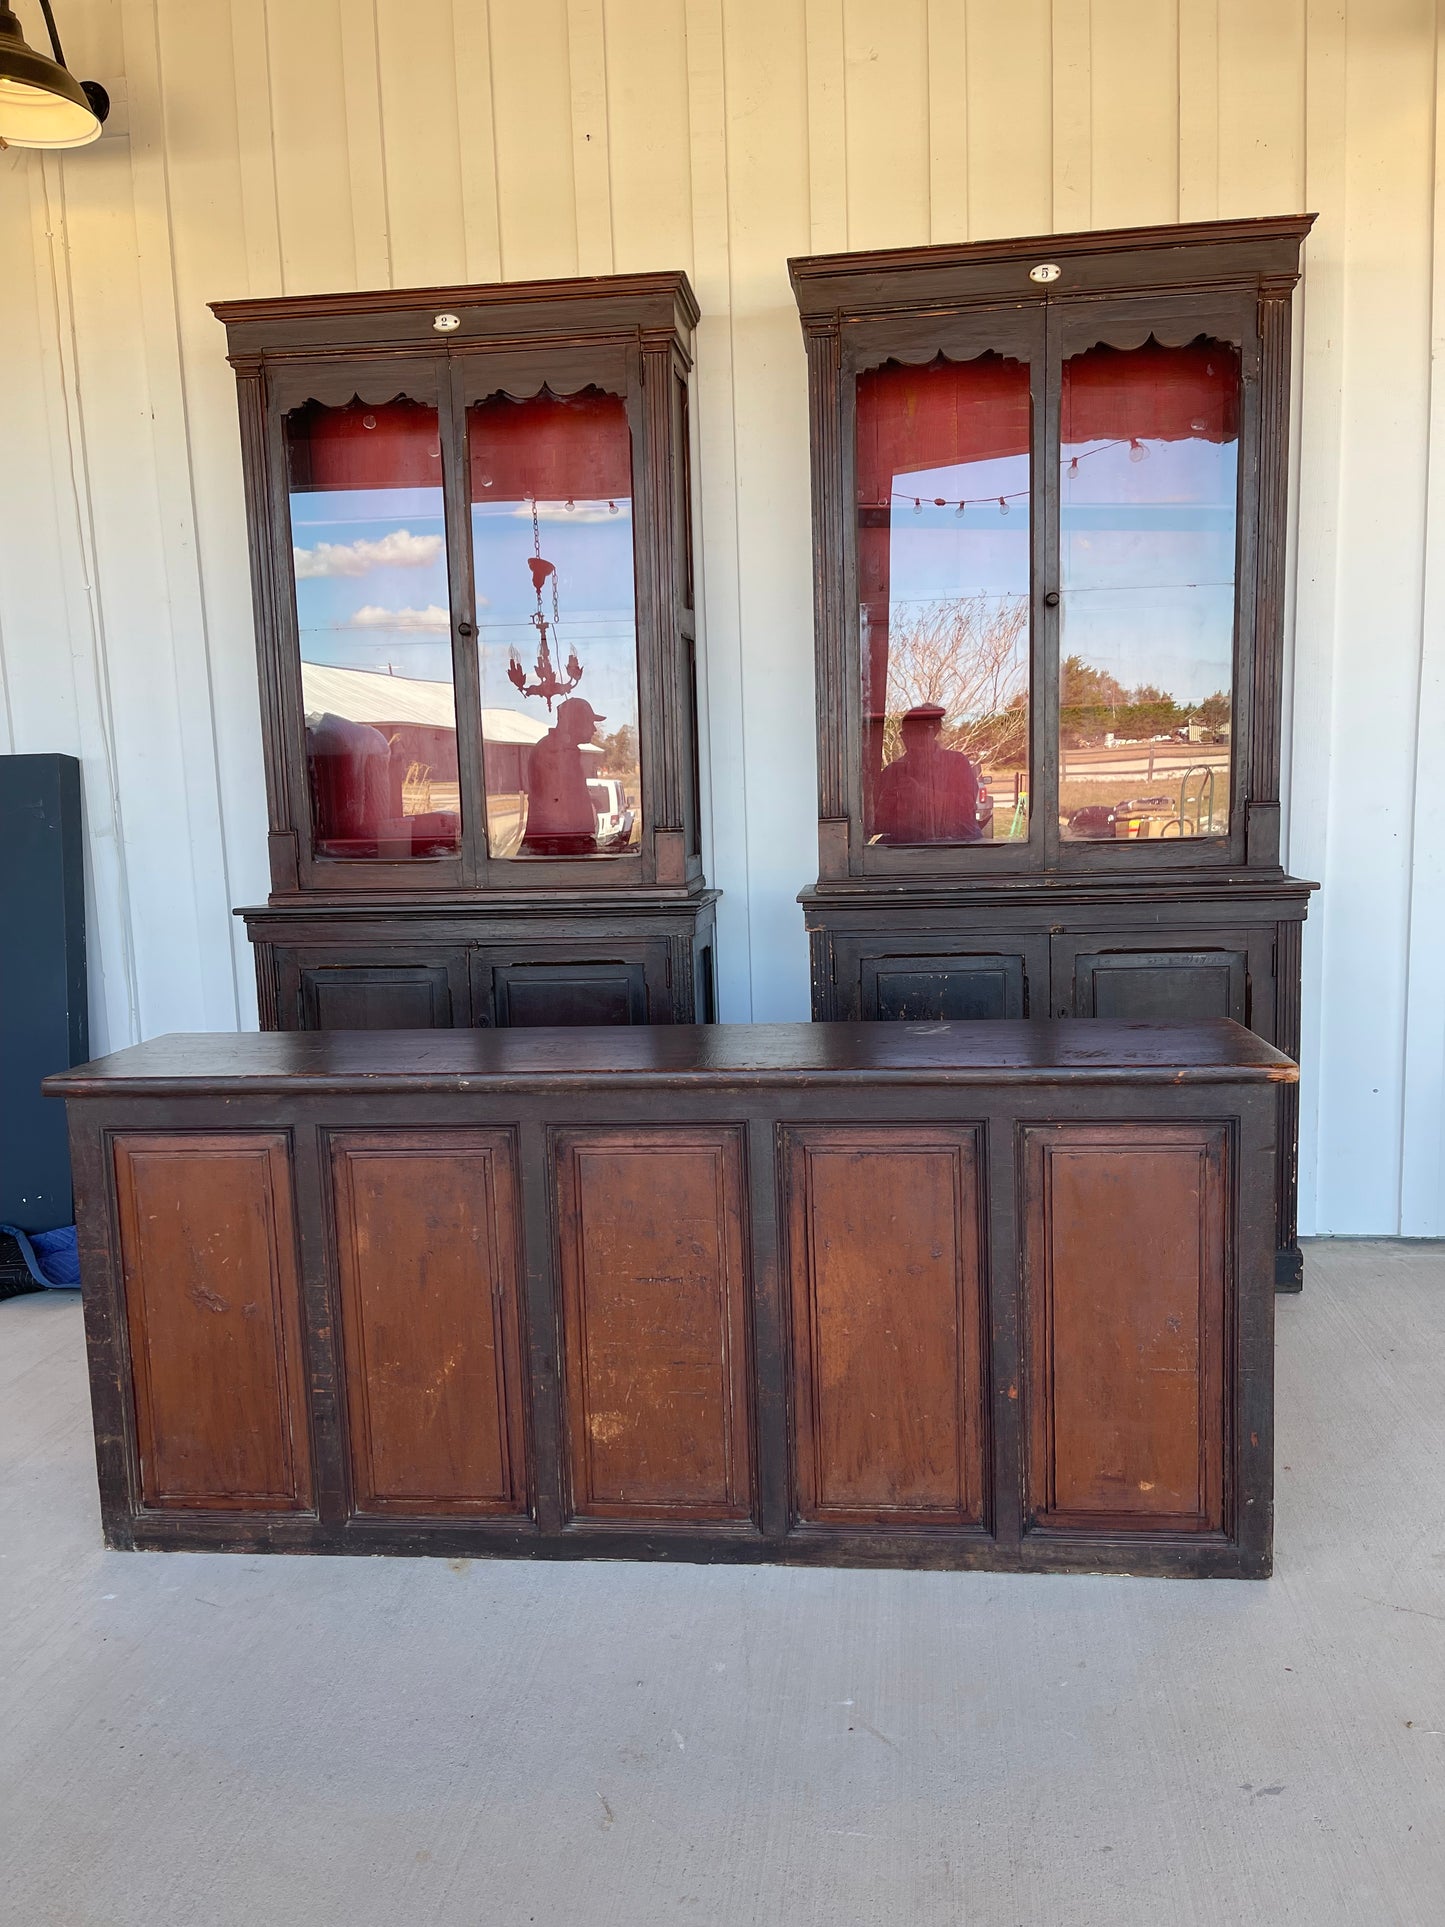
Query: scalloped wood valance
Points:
[913, 416]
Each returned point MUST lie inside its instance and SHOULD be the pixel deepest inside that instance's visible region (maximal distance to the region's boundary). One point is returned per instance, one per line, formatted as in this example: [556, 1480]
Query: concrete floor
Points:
[195, 1741]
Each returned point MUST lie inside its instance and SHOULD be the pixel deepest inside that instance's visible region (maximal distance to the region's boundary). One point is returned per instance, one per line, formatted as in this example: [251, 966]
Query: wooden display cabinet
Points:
[470, 528]
[1049, 513]
[976, 1295]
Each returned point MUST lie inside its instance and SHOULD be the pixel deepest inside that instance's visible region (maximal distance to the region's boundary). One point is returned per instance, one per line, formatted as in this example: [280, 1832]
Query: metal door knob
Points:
[1051, 600]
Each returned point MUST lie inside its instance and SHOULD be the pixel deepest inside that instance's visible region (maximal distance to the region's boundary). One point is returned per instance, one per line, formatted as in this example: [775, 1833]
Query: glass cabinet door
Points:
[1148, 491]
[943, 571]
[369, 560]
[556, 617]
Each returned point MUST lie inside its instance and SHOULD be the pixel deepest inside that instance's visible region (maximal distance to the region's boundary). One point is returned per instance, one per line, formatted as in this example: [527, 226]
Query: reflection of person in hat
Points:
[561, 819]
[929, 794]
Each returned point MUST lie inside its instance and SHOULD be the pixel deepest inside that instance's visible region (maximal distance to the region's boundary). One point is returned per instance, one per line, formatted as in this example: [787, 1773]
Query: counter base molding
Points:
[990, 1294]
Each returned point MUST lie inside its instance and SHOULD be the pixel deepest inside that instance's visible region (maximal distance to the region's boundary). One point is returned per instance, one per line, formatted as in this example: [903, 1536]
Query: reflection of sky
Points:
[1147, 559]
[591, 547]
[1146, 550]
[592, 550]
[327, 605]
[935, 553]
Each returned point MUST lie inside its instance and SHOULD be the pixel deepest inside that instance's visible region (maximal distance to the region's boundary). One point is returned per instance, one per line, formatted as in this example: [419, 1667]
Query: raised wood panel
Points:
[933, 989]
[929, 975]
[655, 1310]
[528, 995]
[208, 1256]
[1164, 986]
[426, 1249]
[377, 997]
[1128, 1293]
[887, 1323]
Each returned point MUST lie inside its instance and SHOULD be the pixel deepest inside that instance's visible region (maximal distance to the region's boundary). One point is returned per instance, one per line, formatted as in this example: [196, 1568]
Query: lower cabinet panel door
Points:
[1164, 986]
[378, 996]
[426, 1248]
[527, 995]
[655, 1314]
[888, 1330]
[1128, 1301]
[208, 1255]
[932, 989]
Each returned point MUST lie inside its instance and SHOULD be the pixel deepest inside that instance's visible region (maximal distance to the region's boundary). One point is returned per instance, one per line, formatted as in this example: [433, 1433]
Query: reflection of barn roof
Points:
[364, 696]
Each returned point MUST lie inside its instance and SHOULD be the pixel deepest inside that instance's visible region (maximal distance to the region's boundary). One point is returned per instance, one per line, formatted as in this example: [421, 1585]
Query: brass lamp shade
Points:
[42, 104]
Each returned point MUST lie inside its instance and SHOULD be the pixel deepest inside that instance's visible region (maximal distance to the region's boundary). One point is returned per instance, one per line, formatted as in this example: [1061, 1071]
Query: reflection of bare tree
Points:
[968, 654]
[620, 759]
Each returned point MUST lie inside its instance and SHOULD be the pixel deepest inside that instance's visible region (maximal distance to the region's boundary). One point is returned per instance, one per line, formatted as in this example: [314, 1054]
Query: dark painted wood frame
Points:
[1232, 280]
[627, 334]
[846, 1078]
[1228, 280]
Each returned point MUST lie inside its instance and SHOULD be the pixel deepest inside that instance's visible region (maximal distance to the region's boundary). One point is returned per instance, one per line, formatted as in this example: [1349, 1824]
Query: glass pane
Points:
[943, 587]
[551, 490]
[1150, 462]
[372, 609]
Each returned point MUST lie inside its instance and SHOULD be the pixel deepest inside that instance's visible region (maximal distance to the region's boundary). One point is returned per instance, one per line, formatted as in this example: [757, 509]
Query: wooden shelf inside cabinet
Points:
[1050, 511]
[470, 527]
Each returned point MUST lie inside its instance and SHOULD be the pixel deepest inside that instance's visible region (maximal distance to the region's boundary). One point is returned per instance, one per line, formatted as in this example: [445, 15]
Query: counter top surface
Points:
[1003, 1051]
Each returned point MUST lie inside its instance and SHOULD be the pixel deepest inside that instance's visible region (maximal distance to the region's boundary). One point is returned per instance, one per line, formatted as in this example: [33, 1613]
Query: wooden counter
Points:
[994, 1294]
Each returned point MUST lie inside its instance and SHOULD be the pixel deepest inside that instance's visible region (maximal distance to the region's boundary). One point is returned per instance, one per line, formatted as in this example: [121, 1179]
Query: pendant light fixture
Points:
[42, 104]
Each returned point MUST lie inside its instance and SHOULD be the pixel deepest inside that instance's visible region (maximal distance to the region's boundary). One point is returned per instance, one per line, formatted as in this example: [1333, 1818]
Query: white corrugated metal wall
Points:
[281, 146]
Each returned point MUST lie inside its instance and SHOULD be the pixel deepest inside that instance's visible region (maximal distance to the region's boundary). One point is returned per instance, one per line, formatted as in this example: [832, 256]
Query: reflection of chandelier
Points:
[548, 684]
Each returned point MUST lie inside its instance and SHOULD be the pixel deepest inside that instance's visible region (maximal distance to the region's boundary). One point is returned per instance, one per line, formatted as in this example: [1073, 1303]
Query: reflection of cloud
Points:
[371, 616]
[579, 511]
[399, 549]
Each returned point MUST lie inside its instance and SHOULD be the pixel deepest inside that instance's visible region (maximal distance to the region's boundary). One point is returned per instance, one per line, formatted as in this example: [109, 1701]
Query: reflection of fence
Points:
[1146, 760]
[1118, 776]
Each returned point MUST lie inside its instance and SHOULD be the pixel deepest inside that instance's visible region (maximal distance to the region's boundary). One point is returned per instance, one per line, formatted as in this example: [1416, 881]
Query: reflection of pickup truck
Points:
[614, 819]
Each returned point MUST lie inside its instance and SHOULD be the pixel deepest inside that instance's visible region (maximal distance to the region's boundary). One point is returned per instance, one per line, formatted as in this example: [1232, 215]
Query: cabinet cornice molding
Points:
[1195, 254]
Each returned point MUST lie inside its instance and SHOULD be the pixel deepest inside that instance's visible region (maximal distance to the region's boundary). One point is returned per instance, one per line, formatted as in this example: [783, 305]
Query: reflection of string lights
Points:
[942, 502]
[1137, 453]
